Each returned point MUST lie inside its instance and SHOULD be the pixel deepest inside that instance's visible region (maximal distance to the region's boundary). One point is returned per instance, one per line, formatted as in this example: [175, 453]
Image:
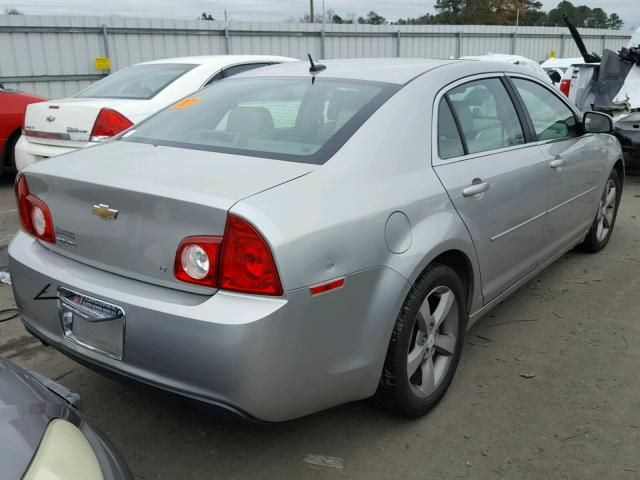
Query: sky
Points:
[269, 10]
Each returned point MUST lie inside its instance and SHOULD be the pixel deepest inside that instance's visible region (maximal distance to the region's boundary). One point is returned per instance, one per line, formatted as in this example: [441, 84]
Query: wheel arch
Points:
[619, 168]
[460, 263]
[462, 258]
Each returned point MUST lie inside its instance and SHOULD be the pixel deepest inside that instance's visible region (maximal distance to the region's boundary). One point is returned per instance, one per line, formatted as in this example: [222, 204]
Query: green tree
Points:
[583, 16]
[425, 19]
[206, 16]
[372, 18]
[12, 11]
[597, 18]
[525, 12]
[508, 12]
[450, 8]
[487, 12]
[614, 22]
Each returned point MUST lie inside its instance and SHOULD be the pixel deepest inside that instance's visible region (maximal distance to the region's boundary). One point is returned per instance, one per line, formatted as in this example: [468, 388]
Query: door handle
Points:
[476, 187]
[557, 162]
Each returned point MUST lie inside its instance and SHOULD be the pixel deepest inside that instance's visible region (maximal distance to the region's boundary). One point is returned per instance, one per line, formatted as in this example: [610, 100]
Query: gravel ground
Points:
[548, 388]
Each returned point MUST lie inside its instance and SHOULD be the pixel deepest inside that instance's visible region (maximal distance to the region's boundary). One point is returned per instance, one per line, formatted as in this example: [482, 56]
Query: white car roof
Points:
[525, 63]
[222, 60]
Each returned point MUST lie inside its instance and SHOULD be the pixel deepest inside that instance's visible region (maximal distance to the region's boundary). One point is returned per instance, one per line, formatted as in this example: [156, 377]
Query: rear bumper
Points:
[272, 359]
[30, 152]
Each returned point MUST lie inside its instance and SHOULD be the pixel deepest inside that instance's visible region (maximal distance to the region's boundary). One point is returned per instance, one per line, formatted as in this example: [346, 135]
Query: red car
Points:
[12, 107]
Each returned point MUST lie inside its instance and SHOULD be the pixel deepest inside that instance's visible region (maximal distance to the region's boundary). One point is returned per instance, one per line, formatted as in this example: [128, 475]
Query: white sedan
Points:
[121, 100]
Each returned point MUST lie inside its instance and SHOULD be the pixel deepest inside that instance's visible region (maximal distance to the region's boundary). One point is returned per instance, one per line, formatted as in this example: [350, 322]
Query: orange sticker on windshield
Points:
[186, 103]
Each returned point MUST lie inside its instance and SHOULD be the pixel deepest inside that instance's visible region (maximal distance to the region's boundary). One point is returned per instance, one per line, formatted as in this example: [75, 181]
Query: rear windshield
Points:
[293, 119]
[140, 82]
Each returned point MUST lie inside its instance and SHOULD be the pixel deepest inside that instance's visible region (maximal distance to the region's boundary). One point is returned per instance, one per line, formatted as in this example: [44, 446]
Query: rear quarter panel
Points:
[331, 222]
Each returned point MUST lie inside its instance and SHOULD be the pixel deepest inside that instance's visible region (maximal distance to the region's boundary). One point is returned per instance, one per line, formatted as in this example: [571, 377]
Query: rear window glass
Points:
[140, 82]
[294, 119]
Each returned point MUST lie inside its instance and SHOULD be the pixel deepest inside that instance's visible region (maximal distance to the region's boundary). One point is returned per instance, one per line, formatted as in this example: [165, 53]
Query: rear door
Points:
[495, 178]
[574, 164]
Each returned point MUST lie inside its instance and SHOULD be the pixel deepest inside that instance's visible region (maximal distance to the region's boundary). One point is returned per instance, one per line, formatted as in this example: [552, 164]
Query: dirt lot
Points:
[548, 388]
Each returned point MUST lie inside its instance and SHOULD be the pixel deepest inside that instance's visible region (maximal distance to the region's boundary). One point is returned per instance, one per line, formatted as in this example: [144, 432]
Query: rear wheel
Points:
[426, 343]
[602, 227]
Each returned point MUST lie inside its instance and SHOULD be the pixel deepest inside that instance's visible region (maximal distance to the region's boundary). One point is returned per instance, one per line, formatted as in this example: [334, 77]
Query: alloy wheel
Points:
[433, 341]
[606, 211]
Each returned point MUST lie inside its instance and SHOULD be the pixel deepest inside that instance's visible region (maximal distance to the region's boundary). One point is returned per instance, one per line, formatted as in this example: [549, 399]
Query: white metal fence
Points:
[54, 56]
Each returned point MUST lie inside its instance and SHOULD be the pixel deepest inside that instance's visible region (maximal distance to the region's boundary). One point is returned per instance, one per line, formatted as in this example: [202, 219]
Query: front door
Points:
[574, 165]
[495, 179]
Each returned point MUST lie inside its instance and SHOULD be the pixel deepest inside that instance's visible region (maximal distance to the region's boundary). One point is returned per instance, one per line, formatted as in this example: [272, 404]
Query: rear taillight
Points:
[565, 86]
[197, 260]
[34, 214]
[246, 263]
[108, 124]
[239, 262]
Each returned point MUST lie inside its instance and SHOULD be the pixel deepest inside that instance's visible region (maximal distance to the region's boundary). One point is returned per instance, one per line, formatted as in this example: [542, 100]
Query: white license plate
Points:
[92, 323]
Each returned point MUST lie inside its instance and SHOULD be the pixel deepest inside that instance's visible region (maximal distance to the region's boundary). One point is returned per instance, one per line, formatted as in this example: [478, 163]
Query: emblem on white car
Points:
[104, 212]
[50, 118]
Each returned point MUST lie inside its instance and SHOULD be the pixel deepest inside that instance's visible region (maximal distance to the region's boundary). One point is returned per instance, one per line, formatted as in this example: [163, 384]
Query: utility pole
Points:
[225, 14]
[311, 16]
[514, 47]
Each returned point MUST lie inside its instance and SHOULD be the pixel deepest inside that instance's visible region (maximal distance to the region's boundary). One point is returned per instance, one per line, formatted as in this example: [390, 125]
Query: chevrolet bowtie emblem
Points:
[103, 211]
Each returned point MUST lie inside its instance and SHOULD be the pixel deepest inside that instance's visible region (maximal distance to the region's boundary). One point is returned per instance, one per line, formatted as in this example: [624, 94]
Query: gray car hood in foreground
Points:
[26, 408]
[28, 402]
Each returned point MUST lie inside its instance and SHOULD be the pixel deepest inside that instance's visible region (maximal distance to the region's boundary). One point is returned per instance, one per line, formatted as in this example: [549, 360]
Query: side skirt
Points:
[474, 317]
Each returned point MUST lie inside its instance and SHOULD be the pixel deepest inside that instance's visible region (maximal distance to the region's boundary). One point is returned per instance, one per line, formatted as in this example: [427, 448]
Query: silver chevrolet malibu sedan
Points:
[291, 239]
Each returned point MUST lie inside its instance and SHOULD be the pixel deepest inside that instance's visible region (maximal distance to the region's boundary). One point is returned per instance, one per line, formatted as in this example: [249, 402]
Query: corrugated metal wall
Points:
[55, 56]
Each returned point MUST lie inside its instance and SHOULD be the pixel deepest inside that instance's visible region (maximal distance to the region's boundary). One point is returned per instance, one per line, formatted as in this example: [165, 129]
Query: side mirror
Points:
[596, 122]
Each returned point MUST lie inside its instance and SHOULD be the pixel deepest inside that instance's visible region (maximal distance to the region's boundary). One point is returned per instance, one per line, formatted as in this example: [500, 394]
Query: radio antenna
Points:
[315, 67]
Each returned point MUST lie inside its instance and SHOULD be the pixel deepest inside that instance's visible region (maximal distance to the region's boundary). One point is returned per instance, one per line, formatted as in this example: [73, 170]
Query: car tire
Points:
[602, 226]
[439, 294]
[9, 162]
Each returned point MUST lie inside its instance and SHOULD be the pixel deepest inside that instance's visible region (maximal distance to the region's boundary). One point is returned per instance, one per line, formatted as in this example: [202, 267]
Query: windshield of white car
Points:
[139, 82]
[283, 118]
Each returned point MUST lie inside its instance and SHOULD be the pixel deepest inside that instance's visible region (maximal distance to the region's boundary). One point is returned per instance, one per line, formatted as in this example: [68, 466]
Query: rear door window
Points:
[236, 69]
[217, 77]
[486, 115]
[139, 82]
[551, 118]
[449, 141]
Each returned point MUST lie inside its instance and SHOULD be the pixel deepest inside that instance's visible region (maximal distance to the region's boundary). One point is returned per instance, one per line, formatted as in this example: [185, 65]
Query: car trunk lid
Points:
[124, 207]
[66, 122]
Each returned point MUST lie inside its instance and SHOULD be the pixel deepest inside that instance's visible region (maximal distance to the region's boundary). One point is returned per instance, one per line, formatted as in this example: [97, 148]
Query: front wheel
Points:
[602, 227]
[426, 344]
